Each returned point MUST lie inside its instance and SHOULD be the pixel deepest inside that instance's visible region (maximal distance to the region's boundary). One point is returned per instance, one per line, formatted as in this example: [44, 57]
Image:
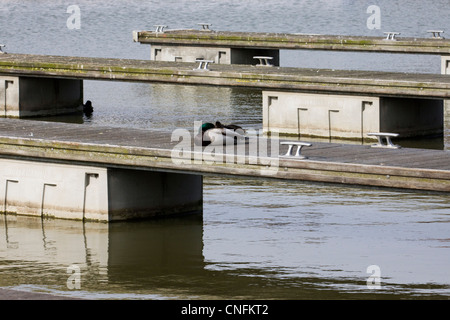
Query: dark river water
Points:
[255, 239]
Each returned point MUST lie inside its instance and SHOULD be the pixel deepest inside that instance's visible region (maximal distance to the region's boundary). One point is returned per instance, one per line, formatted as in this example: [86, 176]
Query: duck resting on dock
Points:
[88, 109]
[228, 126]
[219, 134]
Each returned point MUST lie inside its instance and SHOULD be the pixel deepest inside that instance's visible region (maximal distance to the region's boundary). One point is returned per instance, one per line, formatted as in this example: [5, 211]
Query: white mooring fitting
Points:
[384, 135]
[299, 145]
[263, 61]
[160, 28]
[203, 64]
[436, 34]
[1, 48]
[205, 26]
[391, 35]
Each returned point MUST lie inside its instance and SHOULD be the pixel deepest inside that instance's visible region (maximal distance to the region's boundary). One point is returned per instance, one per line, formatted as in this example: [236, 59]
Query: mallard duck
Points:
[88, 109]
[210, 134]
[228, 126]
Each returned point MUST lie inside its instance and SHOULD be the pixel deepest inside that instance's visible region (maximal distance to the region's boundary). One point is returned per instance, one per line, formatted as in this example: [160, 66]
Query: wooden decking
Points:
[266, 78]
[258, 40]
[405, 168]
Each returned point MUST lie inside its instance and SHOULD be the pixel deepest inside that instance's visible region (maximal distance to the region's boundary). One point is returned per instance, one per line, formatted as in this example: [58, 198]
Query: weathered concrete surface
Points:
[320, 115]
[445, 64]
[294, 41]
[445, 70]
[218, 55]
[53, 190]
[27, 97]
[349, 117]
[277, 78]
[91, 193]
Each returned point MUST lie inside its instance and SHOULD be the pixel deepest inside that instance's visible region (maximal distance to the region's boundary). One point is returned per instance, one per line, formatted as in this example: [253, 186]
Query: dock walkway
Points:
[295, 41]
[404, 168]
[393, 84]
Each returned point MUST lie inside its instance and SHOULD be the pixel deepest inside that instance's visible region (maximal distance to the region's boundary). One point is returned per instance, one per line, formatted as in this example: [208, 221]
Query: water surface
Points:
[254, 239]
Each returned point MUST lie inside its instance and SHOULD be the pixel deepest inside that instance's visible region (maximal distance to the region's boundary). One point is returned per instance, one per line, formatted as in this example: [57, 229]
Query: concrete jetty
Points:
[290, 79]
[432, 44]
[292, 115]
[104, 173]
[226, 47]
[375, 101]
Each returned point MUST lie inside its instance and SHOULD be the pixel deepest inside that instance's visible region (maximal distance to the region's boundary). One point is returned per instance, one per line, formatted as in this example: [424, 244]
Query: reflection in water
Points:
[257, 239]
[168, 107]
[283, 241]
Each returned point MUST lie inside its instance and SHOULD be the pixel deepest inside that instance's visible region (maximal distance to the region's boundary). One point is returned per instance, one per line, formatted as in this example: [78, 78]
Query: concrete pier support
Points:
[445, 69]
[179, 53]
[94, 193]
[29, 97]
[349, 117]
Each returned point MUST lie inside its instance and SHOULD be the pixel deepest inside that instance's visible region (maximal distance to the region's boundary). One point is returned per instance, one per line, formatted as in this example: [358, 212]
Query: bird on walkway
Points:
[218, 134]
[228, 126]
[88, 109]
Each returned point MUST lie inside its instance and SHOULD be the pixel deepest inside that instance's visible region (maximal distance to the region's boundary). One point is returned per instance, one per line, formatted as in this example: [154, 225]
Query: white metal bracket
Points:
[386, 136]
[263, 61]
[299, 145]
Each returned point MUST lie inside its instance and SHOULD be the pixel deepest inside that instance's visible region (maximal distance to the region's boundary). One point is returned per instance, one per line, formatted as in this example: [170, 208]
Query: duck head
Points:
[206, 126]
[198, 139]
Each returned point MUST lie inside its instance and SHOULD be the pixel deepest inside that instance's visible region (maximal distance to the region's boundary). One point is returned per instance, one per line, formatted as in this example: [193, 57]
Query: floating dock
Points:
[296, 101]
[392, 42]
[279, 78]
[138, 149]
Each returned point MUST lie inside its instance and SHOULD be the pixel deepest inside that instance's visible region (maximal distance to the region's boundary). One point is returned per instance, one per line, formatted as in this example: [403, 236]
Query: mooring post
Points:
[391, 35]
[160, 28]
[299, 145]
[205, 26]
[436, 34]
[263, 61]
[387, 136]
[203, 64]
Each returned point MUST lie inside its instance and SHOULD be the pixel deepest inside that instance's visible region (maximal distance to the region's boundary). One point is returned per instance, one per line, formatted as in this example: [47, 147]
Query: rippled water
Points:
[281, 240]
[255, 239]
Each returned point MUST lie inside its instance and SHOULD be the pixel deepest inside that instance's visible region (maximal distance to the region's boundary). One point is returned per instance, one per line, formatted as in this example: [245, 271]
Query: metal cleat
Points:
[203, 64]
[205, 26]
[436, 34]
[391, 35]
[160, 28]
[1, 46]
[263, 61]
[387, 137]
[299, 145]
